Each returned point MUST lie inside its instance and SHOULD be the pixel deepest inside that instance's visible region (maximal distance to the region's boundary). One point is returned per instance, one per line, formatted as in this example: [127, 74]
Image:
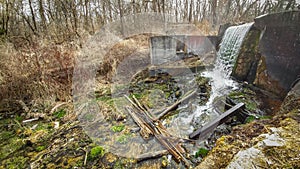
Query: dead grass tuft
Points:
[39, 72]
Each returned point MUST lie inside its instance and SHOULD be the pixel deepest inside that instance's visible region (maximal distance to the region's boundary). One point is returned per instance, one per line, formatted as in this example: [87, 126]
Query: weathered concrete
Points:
[273, 46]
[175, 47]
[163, 49]
[280, 50]
[246, 64]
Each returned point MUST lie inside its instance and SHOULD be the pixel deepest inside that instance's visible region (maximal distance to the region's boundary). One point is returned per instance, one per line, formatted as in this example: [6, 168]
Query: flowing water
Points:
[221, 83]
[230, 45]
[183, 123]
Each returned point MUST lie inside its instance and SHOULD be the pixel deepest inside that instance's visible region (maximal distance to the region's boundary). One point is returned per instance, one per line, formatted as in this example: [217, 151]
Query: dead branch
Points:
[151, 155]
[172, 107]
[153, 127]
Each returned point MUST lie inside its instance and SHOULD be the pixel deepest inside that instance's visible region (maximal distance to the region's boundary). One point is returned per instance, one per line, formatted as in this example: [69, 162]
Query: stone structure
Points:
[171, 48]
[270, 55]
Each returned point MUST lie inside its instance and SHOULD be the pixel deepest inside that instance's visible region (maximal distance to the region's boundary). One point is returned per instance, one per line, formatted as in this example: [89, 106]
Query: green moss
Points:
[60, 114]
[5, 135]
[43, 126]
[245, 96]
[96, 152]
[16, 162]
[103, 98]
[12, 145]
[201, 81]
[236, 94]
[137, 95]
[265, 117]
[202, 152]
[40, 148]
[286, 156]
[123, 138]
[19, 118]
[119, 165]
[252, 106]
[118, 128]
[115, 101]
[250, 119]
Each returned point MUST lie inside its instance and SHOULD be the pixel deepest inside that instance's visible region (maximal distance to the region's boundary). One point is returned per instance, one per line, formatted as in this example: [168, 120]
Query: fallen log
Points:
[145, 131]
[173, 106]
[142, 107]
[156, 128]
[212, 125]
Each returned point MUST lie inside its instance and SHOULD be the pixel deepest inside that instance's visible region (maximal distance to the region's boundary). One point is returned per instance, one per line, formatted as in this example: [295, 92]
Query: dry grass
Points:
[39, 72]
[119, 52]
[42, 73]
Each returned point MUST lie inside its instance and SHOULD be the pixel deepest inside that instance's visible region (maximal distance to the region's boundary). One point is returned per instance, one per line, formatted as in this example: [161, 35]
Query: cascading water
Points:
[230, 47]
[221, 82]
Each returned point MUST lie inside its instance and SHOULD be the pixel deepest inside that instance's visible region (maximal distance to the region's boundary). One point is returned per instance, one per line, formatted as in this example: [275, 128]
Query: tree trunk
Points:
[42, 14]
[191, 11]
[121, 16]
[32, 15]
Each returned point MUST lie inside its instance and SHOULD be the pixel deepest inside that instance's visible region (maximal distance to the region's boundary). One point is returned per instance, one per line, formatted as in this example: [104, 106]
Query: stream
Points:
[220, 81]
[122, 137]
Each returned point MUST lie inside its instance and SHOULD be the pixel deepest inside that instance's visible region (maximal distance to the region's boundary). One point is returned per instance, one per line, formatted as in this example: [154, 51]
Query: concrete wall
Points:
[270, 55]
[163, 49]
[171, 48]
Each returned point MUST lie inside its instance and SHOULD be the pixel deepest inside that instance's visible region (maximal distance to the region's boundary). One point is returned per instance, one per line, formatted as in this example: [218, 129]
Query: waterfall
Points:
[221, 82]
[230, 47]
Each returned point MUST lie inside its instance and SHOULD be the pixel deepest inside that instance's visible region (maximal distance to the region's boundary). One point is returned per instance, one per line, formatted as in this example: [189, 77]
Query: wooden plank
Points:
[213, 124]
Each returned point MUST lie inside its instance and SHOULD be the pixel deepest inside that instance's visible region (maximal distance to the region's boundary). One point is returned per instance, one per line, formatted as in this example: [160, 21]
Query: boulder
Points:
[291, 103]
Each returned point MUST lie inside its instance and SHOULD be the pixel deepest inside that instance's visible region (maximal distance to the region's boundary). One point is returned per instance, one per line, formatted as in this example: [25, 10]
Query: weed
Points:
[40, 148]
[118, 128]
[60, 114]
[123, 138]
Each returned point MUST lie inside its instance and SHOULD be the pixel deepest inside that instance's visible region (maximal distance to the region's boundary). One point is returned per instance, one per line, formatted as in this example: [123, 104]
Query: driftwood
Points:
[150, 155]
[212, 125]
[173, 106]
[153, 127]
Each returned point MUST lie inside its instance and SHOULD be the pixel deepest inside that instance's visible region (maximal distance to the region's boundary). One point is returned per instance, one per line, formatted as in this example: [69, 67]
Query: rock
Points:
[291, 103]
[273, 140]
[246, 159]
